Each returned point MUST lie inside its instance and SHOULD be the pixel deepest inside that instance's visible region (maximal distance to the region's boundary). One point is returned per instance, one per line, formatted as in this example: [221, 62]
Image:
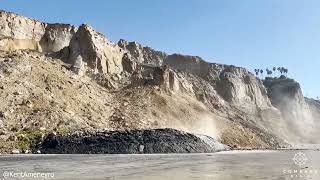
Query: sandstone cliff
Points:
[57, 77]
[300, 114]
[50, 37]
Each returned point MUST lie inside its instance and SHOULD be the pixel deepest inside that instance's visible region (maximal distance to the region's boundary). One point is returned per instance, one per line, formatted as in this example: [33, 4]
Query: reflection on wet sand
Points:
[222, 165]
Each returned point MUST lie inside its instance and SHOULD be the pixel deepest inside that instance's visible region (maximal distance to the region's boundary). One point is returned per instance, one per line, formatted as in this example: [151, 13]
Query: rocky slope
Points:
[61, 78]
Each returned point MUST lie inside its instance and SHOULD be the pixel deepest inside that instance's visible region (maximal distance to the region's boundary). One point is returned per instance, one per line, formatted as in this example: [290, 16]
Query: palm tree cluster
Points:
[281, 70]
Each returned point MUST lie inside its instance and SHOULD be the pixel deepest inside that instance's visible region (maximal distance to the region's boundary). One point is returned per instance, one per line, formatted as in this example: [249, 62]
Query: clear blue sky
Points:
[248, 33]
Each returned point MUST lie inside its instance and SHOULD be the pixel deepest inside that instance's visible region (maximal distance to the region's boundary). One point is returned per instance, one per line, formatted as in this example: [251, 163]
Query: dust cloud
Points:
[204, 124]
[298, 120]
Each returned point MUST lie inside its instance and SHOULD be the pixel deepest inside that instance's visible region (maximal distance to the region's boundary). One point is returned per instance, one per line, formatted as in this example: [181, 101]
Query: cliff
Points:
[61, 78]
[299, 114]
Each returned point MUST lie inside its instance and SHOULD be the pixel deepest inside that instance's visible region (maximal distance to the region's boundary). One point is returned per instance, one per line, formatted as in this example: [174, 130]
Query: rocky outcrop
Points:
[19, 27]
[129, 142]
[96, 51]
[56, 37]
[27, 33]
[143, 55]
[191, 64]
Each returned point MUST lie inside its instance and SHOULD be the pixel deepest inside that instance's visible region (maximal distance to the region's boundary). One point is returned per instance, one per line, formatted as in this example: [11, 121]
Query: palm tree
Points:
[279, 69]
[285, 70]
[256, 71]
[261, 71]
[269, 72]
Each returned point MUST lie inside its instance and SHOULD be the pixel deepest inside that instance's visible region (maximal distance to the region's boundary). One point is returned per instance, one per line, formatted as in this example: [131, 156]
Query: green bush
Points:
[29, 139]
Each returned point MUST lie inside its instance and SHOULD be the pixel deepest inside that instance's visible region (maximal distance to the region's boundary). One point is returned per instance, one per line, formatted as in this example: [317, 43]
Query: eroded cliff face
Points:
[234, 85]
[95, 50]
[19, 27]
[56, 37]
[83, 81]
[143, 55]
[27, 33]
[299, 116]
[232, 92]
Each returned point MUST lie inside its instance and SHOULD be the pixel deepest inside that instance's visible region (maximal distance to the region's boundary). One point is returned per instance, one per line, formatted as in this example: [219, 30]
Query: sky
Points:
[248, 33]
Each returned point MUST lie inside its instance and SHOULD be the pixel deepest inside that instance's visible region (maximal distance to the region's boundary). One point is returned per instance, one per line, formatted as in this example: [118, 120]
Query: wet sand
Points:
[221, 165]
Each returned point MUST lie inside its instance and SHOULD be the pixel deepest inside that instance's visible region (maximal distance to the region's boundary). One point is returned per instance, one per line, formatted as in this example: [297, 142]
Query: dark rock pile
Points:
[126, 142]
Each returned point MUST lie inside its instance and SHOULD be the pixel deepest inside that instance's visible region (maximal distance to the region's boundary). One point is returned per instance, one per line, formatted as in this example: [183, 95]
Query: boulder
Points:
[15, 151]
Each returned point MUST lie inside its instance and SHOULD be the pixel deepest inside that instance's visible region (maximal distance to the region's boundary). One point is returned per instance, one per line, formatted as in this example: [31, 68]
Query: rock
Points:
[12, 138]
[2, 114]
[42, 128]
[141, 148]
[17, 93]
[51, 141]
[15, 151]
[25, 33]
[96, 50]
[214, 144]
[56, 37]
[19, 27]
[78, 66]
[140, 54]
[105, 81]
[128, 63]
